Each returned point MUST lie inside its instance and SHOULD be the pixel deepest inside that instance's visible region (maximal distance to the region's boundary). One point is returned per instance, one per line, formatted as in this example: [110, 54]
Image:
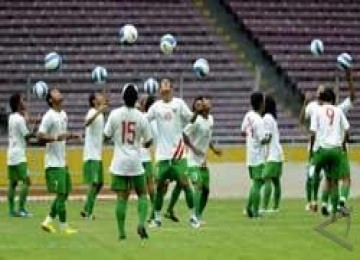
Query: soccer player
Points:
[93, 167]
[199, 134]
[19, 134]
[274, 157]
[253, 128]
[329, 126]
[169, 114]
[313, 182]
[53, 132]
[144, 105]
[128, 127]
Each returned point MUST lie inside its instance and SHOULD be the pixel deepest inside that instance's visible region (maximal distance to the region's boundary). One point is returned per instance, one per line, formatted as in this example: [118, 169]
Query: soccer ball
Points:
[167, 44]
[344, 61]
[99, 75]
[201, 68]
[151, 86]
[317, 47]
[40, 89]
[52, 61]
[128, 34]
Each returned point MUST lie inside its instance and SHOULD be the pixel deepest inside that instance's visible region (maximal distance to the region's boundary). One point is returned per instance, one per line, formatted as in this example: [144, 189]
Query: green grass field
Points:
[227, 235]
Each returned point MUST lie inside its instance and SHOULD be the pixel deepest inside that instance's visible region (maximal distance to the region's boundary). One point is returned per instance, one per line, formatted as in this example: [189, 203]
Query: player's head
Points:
[96, 99]
[197, 105]
[270, 106]
[206, 105]
[17, 102]
[54, 98]
[328, 96]
[166, 88]
[319, 90]
[130, 94]
[257, 101]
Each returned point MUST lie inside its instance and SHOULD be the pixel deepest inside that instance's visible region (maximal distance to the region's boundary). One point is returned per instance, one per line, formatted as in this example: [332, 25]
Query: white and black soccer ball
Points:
[52, 61]
[317, 47]
[40, 89]
[99, 75]
[201, 68]
[168, 44]
[151, 86]
[128, 34]
[344, 61]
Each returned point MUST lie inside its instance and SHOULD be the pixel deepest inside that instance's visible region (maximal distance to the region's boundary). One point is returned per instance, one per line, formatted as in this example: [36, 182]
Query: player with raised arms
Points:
[53, 132]
[130, 130]
[92, 156]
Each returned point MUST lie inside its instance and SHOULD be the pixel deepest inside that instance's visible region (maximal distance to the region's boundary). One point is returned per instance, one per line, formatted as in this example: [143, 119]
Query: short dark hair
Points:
[15, 101]
[270, 106]
[48, 97]
[328, 95]
[130, 95]
[256, 100]
[149, 101]
[92, 97]
[196, 100]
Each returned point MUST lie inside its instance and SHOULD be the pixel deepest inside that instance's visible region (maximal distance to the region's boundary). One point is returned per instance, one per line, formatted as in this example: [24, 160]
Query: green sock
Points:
[174, 197]
[53, 209]
[24, 191]
[203, 200]
[61, 207]
[267, 194]
[277, 192]
[189, 196]
[90, 199]
[11, 197]
[316, 186]
[197, 200]
[344, 192]
[152, 201]
[120, 213]
[256, 196]
[142, 209]
[334, 197]
[308, 187]
[249, 201]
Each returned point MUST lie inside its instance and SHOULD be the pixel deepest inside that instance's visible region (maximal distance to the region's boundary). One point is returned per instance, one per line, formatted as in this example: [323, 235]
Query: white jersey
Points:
[169, 118]
[94, 137]
[17, 143]
[145, 152]
[329, 123]
[54, 123]
[253, 126]
[274, 149]
[200, 134]
[313, 106]
[128, 127]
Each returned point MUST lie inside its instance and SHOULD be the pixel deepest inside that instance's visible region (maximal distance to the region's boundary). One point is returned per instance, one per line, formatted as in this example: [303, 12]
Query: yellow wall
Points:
[293, 153]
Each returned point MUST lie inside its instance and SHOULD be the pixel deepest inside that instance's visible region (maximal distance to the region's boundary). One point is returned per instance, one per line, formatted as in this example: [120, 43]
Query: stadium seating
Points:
[86, 34]
[285, 29]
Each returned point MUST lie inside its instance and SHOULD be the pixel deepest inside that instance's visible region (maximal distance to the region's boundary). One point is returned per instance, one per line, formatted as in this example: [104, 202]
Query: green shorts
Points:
[256, 172]
[174, 170]
[330, 161]
[17, 172]
[148, 168]
[58, 180]
[272, 170]
[126, 183]
[345, 166]
[199, 175]
[93, 172]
